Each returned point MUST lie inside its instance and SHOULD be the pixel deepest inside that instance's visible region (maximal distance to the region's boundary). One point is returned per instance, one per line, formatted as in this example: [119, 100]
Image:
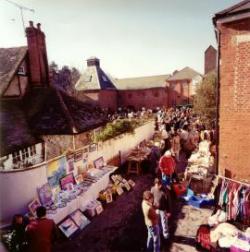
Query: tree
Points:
[64, 78]
[205, 99]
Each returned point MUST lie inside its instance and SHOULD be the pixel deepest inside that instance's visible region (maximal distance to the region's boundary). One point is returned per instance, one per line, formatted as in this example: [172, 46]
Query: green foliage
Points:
[205, 99]
[116, 128]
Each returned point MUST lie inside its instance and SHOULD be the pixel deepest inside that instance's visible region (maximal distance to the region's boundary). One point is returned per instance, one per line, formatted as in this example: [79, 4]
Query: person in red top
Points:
[40, 232]
[167, 166]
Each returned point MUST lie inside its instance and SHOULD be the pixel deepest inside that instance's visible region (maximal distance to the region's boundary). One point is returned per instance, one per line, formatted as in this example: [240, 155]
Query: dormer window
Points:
[21, 70]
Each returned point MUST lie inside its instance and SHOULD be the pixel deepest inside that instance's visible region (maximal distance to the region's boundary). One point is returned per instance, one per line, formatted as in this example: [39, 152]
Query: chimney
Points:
[38, 62]
[93, 61]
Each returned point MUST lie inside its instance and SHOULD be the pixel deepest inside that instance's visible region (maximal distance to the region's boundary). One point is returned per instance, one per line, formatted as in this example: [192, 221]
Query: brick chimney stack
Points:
[93, 61]
[39, 69]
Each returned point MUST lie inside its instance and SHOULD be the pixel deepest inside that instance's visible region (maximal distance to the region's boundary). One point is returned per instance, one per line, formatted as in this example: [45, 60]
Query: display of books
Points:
[80, 219]
[68, 227]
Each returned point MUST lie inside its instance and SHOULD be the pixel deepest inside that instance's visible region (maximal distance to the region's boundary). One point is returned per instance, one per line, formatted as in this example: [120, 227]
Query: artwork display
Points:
[80, 219]
[78, 155]
[34, 204]
[68, 227]
[55, 171]
[45, 194]
[92, 147]
[67, 182]
[99, 163]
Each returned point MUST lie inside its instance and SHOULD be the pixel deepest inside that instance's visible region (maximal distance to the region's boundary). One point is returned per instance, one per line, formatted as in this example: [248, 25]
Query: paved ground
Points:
[121, 228]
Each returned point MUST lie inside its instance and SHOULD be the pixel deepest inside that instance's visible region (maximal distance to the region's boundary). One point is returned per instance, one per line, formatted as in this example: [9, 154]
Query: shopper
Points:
[162, 203]
[167, 166]
[151, 219]
[40, 232]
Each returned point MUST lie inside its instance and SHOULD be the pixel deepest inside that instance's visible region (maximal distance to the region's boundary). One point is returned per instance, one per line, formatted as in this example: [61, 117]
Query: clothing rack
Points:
[236, 181]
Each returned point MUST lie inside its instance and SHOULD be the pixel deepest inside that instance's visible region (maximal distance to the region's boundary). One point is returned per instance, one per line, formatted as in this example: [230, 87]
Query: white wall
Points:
[18, 188]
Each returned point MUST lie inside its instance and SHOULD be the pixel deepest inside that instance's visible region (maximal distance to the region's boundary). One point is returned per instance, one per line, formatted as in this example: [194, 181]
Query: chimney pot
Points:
[31, 23]
[38, 26]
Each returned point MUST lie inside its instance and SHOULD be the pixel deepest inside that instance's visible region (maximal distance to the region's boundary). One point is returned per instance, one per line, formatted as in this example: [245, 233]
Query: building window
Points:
[21, 70]
[25, 153]
[33, 150]
[16, 157]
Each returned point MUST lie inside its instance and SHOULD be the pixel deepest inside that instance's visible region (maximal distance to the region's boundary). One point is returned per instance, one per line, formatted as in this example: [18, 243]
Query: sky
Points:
[130, 37]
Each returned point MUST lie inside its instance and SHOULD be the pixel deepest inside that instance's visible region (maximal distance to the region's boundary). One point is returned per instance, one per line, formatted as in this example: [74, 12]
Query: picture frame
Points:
[78, 155]
[80, 219]
[79, 179]
[45, 194]
[68, 227]
[119, 190]
[99, 209]
[67, 182]
[127, 186]
[99, 162]
[131, 182]
[109, 196]
[33, 205]
[92, 147]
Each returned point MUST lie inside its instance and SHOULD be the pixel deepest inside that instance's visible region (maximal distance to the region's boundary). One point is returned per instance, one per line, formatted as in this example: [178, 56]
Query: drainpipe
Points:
[218, 35]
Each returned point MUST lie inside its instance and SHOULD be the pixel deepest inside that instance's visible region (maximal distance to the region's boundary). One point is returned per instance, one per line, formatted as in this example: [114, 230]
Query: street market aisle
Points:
[120, 227]
[108, 228]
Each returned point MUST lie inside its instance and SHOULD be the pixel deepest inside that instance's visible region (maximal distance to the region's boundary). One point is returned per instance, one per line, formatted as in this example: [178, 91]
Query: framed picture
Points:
[70, 163]
[85, 149]
[119, 190]
[109, 197]
[78, 155]
[80, 219]
[79, 179]
[127, 186]
[92, 147]
[33, 205]
[99, 163]
[99, 209]
[67, 182]
[131, 182]
[45, 194]
[68, 227]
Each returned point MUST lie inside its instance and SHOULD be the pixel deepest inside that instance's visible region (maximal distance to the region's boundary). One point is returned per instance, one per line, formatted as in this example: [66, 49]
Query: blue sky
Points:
[131, 37]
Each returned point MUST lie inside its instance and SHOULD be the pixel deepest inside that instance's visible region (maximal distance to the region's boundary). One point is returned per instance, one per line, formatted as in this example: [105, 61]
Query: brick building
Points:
[148, 91]
[210, 57]
[232, 28]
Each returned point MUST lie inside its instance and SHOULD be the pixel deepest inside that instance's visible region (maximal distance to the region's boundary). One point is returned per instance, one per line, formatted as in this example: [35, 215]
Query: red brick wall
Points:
[108, 99]
[179, 92]
[234, 108]
[210, 59]
[148, 98]
[38, 63]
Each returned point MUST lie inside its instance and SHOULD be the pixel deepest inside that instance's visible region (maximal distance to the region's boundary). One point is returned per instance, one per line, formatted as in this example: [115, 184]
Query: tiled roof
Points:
[94, 78]
[44, 111]
[54, 112]
[15, 131]
[146, 82]
[243, 6]
[186, 73]
[10, 59]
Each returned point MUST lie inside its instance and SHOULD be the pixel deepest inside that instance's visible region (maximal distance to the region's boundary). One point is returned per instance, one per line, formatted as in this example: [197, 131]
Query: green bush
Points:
[117, 128]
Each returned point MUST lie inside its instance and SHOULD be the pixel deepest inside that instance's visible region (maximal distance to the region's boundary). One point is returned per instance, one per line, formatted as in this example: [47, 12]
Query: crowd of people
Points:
[182, 133]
